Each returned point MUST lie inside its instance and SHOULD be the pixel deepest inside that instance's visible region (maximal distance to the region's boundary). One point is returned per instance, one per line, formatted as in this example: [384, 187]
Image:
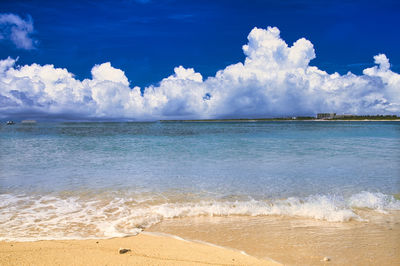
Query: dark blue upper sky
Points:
[148, 38]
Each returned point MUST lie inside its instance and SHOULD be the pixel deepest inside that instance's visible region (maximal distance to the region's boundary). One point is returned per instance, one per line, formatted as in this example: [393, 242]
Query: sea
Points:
[98, 180]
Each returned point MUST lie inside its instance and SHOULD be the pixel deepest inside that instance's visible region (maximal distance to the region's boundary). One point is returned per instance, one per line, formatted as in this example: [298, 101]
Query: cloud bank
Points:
[17, 30]
[274, 80]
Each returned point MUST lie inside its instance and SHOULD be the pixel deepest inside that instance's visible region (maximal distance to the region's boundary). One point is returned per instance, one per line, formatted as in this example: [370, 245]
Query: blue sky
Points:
[147, 39]
[172, 59]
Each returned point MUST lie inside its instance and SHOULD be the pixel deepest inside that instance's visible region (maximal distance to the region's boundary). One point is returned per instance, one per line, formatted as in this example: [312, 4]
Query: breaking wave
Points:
[33, 217]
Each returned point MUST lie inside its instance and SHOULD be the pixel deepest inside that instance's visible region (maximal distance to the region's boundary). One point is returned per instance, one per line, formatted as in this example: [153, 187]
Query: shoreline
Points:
[145, 249]
[2, 123]
[277, 120]
[296, 240]
[236, 240]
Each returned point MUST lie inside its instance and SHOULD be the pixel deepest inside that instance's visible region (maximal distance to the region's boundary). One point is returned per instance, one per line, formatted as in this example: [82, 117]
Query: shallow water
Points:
[296, 240]
[84, 180]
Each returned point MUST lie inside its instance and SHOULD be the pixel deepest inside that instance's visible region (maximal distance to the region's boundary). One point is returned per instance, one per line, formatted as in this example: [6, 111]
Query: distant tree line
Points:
[366, 117]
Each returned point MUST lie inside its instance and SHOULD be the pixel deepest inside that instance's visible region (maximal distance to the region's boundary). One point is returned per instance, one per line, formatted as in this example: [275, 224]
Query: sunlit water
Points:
[84, 180]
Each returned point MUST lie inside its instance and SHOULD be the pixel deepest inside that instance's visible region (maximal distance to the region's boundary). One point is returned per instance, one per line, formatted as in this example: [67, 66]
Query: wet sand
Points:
[299, 241]
[145, 250]
[267, 239]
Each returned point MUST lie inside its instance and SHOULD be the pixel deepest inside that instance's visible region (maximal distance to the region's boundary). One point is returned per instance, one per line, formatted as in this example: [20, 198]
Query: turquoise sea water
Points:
[113, 179]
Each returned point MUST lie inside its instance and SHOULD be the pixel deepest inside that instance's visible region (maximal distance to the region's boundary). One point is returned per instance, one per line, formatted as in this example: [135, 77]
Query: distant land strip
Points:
[298, 118]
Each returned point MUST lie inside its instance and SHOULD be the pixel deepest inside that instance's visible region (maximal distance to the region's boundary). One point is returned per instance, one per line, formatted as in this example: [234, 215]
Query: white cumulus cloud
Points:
[17, 30]
[275, 79]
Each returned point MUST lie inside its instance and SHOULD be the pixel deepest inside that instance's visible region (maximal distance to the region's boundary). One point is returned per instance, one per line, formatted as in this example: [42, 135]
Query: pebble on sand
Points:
[326, 259]
[124, 250]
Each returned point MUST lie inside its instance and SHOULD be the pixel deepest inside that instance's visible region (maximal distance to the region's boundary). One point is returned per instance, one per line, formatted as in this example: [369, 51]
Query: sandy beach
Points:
[239, 240]
[146, 249]
[299, 241]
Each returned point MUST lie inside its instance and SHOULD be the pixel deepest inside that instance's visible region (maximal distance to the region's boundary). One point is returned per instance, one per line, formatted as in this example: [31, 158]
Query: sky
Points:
[153, 59]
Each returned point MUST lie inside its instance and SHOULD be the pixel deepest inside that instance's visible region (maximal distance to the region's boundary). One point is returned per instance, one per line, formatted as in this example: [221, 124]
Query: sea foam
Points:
[33, 217]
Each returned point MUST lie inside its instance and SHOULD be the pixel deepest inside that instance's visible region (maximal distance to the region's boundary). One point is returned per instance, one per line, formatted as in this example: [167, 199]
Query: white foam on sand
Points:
[33, 217]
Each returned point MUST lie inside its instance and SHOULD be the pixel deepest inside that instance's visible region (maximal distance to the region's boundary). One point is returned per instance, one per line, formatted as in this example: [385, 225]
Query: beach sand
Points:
[299, 241]
[145, 250]
[267, 239]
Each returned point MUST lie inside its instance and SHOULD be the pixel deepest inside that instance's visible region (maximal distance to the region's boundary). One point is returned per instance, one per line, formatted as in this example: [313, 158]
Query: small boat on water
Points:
[10, 123]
